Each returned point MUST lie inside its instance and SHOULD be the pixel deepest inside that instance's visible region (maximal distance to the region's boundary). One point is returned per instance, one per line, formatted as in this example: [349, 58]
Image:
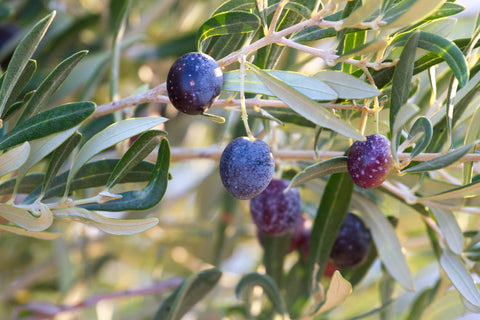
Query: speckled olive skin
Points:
[352, 245]
[194, 83]
[370, 162]
[275, 212]
[246, 167]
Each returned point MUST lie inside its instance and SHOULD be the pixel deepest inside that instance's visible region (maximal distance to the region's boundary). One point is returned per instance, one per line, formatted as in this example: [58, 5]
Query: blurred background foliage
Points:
[199, 225]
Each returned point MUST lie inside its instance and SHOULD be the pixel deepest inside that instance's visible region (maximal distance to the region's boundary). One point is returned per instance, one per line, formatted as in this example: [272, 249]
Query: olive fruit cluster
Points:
[194, 83]
[370, 162]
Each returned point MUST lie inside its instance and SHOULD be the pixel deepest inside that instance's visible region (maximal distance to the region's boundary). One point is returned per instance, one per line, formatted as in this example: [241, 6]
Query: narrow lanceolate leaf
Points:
[44, 235]
[191, 291]
[93, 174]
[443, 48]
[262, 8]
[224, 23]
[306, 107]
[25, 219]
[22, 81]
[13, 159]
[108, 225]
[318, 170]
[362, 13]
[21, 56]
[51, 121]
[135, 154]
[466, 191]
[347, 86]
[270, 288]
[330, 215]
[408, 111]
[460, 277]
[61, 154]
[148, 196]
[402, 78]
[424, 126]
[40, 148]
[368, 48]
[313, 88]
[442, 161]
[473, 133]
[450, 229]
[110, 136]
[386, 241]
[119, 11]
[337, 292]
[51, 83]
[409, 12]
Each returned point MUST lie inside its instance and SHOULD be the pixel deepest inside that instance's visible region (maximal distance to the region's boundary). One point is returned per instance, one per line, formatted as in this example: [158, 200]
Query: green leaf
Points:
[275, 248]
[333, 208]
[108, 225]
[21, 56]
[318, 170]
[28, 184]
[408, 111]
[270, 288]
[227, 23]
[39, 222]
[59, 156]
[110, 136]
[13, 159]
[308, 86]
[148, 196]
[402, 78]
[409, 12]
[447, 9]
[192, 290]
[22, 81]
[386, 241]
[473, 133]
[141, 148]
[93, 174]
[424, 126]
[236, 5]
[466, 191]
[450, 229]
[44, 235]
[347, 86]
[368, 48]
[51, 121]
[119, 10]
[262, 9]
[362, 13]
[442, 161]
[460, 277]
[51, 83]
[443, 48]
[306, 107]
[281, 115]
[42, 147]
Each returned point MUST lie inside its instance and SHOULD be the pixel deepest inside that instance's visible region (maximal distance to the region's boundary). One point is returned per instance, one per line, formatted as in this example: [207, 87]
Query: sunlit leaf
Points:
[337, 292]
[409, 12]
[110, 136]
[368, 48]
[318, 170]
[48, 122]
[26, 219]
[450, 229]
[465, 191]
[460, 277]
[109, 225]
[21, 56]
[44, 235]
[308, 86]
[270, 288]
[191, 291]
[347, 86]
[386, 241]
[361, 13]
[22, 81]
[13, 159]
[306, 107]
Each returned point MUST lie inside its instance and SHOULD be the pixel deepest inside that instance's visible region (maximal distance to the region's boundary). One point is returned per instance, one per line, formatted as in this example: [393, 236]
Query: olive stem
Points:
[243, 74]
